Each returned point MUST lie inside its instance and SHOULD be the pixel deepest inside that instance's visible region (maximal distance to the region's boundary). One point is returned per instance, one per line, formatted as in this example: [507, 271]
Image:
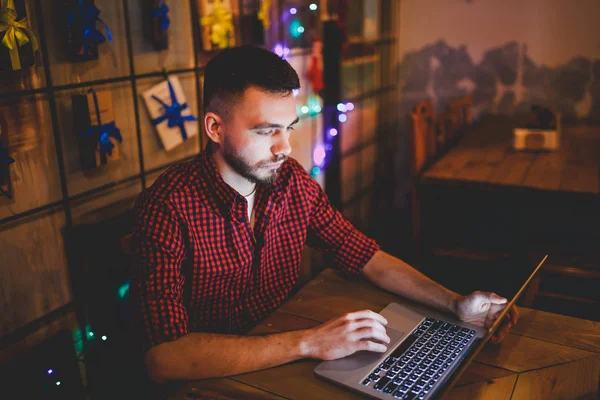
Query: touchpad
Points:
[358, 363]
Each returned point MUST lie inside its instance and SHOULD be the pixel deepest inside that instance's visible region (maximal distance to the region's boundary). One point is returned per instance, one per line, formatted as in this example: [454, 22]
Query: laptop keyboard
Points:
[413, 369]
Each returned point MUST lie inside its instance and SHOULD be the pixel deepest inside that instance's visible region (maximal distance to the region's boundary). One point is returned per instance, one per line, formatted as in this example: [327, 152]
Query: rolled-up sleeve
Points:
[330, 231]
[156, 284]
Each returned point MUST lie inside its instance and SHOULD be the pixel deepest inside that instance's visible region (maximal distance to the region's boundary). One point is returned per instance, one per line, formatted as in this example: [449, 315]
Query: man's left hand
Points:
[482, 309]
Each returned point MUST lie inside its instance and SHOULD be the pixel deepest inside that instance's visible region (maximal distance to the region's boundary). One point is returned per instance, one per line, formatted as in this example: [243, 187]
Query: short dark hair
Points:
[232, 71]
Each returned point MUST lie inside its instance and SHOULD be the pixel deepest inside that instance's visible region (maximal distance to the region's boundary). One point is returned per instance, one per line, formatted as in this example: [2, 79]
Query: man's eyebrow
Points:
[267, 125]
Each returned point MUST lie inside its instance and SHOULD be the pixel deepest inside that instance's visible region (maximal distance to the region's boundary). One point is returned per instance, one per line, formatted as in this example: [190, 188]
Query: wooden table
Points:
[546, 356]
[485, 155]
[486, 198]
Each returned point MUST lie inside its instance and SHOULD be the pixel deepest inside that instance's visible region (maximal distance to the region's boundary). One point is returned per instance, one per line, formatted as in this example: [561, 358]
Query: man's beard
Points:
[246, 170]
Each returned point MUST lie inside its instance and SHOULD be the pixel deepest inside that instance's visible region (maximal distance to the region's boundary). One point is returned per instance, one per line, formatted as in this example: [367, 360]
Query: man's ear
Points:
[213, 126]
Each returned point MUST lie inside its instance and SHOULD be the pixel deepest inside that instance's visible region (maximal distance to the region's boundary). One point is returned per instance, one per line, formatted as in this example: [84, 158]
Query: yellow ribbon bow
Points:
[263, 14]
[221, 27]
[17, 32]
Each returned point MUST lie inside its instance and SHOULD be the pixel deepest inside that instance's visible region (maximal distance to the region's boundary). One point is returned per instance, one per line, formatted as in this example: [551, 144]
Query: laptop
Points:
[428, 351]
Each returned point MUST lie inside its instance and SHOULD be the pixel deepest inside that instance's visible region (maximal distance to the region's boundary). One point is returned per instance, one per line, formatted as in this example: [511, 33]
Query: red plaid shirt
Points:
[200, 267]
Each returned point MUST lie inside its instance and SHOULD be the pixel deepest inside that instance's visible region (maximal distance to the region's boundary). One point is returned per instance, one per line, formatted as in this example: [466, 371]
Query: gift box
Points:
[170, 114]
[18, 44]
[98, 137]
[217, 24]
[81, 23]
[541, 131]
[5, 161]
[156, 22]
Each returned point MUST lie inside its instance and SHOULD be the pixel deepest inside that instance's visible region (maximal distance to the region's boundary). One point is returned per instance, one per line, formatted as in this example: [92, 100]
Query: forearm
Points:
[206, 355]
[394, 275]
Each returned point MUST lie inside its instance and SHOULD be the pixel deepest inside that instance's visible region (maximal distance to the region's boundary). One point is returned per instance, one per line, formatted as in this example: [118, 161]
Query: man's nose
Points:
[282, 147]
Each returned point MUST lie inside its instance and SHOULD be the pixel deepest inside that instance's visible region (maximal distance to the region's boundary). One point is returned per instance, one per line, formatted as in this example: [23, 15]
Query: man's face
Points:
[256, 134]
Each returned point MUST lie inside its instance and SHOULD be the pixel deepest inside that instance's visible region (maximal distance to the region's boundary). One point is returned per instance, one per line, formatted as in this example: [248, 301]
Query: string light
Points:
[304, 109]
[104, 337]
[293, 11]
[313, 7]
[319, 155]
[341, 107]
[57, 383]
[50, 371]
[342, 118]
[333, 132]
[349, 106]
[296, 29]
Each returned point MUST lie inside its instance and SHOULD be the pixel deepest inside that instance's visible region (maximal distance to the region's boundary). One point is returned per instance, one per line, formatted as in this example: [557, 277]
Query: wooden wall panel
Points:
[367, 168]
[351, 130]
[66, 322]
[370, 123]
[113, 60]
[350, 169]
[79, 181]
[34, 174]
[154, 154]
[180, 53]
[34, 279]
[106, 204]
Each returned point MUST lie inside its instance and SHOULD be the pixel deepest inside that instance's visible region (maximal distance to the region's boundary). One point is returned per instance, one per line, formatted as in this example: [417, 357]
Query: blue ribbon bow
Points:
[173, 113]
[104, 132]
[5, 159]
[89, 15]
[162, 13]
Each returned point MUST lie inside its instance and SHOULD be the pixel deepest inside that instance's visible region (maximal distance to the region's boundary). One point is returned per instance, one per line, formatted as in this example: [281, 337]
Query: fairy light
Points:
[304, 109]
[313, 7]
[342, 118]
[349, 106]
[293, 11]
[50, 371]
[319, 155]
[341, 107]
[333, 132]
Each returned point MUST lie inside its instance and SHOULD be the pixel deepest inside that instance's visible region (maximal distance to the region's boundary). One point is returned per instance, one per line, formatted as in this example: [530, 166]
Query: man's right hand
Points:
[346, 335]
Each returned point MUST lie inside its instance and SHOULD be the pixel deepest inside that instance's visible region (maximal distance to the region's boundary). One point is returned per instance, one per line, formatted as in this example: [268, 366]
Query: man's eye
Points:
[265, 133]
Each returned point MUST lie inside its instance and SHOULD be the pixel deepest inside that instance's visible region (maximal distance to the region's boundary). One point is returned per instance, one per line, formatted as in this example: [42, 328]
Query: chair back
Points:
[458, 118]
[422, 136]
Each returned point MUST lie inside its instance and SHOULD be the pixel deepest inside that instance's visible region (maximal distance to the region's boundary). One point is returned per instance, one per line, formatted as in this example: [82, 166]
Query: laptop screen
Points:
[510, 278]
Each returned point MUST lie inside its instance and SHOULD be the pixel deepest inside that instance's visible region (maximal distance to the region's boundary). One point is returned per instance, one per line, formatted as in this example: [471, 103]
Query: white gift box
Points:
[170, 137]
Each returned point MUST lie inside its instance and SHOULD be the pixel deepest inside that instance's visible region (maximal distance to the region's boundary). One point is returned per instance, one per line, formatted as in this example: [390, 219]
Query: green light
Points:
[58, 383]
[304, 109]
[91, 334]
[316, 171]
[317, 109]
[313, 7]
[123, 290]
[296, 29]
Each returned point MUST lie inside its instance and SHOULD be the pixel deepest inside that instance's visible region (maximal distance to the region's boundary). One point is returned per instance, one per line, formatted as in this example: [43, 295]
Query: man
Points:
[219, 241]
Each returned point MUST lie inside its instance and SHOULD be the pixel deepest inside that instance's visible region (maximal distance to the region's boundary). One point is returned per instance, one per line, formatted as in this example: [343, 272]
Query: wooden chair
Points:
[423, 145]
[456, 120]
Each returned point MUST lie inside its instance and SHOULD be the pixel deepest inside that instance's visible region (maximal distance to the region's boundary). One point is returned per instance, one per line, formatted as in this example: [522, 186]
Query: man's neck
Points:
[240, 184]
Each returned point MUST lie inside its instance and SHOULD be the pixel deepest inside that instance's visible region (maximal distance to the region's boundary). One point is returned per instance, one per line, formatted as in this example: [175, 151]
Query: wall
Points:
[508, 54]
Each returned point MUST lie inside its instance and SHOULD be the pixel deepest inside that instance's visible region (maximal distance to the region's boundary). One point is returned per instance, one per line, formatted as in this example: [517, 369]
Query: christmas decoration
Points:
[170, 113]
[18, 43]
